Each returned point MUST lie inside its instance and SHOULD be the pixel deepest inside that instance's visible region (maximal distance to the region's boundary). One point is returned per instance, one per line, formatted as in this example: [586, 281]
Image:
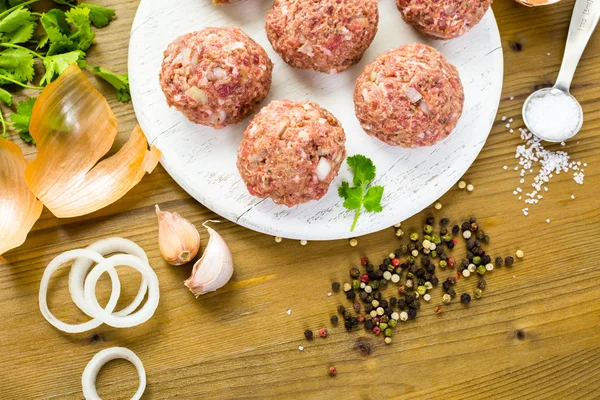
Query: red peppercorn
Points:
[364, 278]
[376, 330]
[458, 275]
[395, 262]
[332, 371]
[361, 318]
[323, 332]
[437, 309]
[364, 261]
[455, 241]
[451, 262]
[375, 320]
[401, 289]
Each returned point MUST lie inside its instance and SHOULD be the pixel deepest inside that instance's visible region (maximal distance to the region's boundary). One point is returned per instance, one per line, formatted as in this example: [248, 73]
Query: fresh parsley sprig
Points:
[67, 35]
[362, 195]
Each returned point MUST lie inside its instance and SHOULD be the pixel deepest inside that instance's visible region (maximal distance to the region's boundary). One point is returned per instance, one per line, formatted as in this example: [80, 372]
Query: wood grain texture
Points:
[240, 343]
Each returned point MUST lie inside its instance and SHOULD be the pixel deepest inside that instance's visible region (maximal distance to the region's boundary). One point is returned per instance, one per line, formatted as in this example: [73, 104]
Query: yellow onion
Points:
[533, 3]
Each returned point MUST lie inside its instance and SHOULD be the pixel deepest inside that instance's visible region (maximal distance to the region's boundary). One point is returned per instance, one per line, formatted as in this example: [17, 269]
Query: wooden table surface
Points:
[240, 342]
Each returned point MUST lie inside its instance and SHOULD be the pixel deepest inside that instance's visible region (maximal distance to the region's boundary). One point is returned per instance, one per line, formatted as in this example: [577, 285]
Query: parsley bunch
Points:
[67, 35]
[361, 195]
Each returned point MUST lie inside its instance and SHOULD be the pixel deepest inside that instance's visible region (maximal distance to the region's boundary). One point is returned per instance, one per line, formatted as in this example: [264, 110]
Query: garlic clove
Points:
[214, 269]
[178, 238]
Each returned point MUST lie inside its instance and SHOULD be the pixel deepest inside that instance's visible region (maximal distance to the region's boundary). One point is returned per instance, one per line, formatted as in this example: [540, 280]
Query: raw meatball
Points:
[443, 19]
[225, 1]
[291, 152]
[409, 97]
[216, 76]
[323, 35]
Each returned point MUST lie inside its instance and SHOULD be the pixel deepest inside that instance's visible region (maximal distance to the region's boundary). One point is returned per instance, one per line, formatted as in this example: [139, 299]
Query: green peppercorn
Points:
[476, 260]
[421, 290]
[392, 323]
[436, 239]
[388, 332]
[443, 264]
[447, 238]
[426, 237]
[411, 259]
[383, 326]
[374, 285]
[383, 283]
[427, 229]
[355, 284]
[478, 293]
[433, 254]
[481, 270]
[403, 249]
[414, 236]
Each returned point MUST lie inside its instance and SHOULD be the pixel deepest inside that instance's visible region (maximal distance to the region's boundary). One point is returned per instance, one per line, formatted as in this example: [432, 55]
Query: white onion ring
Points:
[52, 267]
[90, 373]
[81, 267]
[106, 316]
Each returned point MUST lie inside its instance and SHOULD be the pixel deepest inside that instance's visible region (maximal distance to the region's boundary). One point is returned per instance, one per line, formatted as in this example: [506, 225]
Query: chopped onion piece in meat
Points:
[323, 169]
[197, 94]
[413, 94]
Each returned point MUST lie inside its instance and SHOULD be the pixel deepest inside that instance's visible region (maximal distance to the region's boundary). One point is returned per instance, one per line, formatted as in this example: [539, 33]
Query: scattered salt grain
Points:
[547, 54]
[505, 167]
[301, 348]
[572, 197]
[328, 294]
[504, 118]
[512, 98]
[548, 221]
[470, 187]
[304, 242]
[510, 120]
[289, 312]
[512, 131]
[507, 125]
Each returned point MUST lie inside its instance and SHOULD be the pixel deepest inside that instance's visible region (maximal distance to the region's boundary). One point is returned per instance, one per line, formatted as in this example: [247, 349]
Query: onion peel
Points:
[74, 128]
[19, 209]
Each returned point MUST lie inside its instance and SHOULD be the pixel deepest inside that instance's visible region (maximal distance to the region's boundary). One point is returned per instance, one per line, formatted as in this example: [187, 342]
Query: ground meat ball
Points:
[409, 97]
[216, 76]
[443, 19]
[323, 35]
[291, 152]
[225, 1]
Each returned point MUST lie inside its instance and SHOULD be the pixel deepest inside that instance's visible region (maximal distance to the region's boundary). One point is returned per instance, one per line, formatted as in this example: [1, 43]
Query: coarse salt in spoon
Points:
[553, 114]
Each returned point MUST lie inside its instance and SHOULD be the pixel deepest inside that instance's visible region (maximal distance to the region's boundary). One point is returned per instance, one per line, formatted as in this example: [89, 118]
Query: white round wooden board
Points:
[203, 160]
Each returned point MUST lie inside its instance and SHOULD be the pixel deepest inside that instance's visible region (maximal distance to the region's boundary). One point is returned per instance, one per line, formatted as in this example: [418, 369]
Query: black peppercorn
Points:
[452, 280]
[411, 246]
[450, 245]
[341, 309]
[404, 265]
[480, 235]
[354, 272]
[444, 221]
[378, 274]
[419, 247]
[334, 319]
[430, 221]
[389, 311]
[415, 304]
[393, 301]
[368, 325]
[465, 262]
[409, 299]
[369, 307]
[354, 321]
[475, 250]
[425, 261]
[452, 292]
[308, 334]
[420, 282]
[412, 313]
[455, 230]
[509, 261]
[466, 226]
[465, 298]
[428, 276]
[401, 304]
[470, 243]
[430, 268]
[347, 315]
[398, 253]
[446, 286]
[499, 261]
[387, 261]
[370, 268]
[477, 243]
[481, 284]
[384, 303]
[404, 249]
[470, 255]
[377, 296]
[350, 295]
[348, 326]
[472, 220]
[335, 286]
[369, 299]
[371, 276]
[434, 280]
[363, 295]
[383, 267]
[486, 239]
[443, 256]
[420, 273]
[485, 259]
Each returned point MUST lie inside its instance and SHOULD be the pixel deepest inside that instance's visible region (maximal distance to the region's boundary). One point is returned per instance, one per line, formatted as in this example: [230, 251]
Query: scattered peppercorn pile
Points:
[412, 267]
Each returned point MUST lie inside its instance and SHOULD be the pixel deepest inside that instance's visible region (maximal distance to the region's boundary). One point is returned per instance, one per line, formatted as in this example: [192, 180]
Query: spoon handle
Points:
[583, 23]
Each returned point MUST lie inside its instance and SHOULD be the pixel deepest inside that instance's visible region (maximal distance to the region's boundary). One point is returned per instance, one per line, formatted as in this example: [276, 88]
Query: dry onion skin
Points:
[74, 128]
[19, 209]
[90, 373]
[533, 3]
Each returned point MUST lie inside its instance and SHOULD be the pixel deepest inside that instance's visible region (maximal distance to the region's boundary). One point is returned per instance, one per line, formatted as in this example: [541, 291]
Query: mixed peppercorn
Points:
[412, 269]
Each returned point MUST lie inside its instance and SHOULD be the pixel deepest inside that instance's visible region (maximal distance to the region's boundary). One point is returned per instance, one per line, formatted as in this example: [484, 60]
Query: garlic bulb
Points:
[178, 238]
[214, 269]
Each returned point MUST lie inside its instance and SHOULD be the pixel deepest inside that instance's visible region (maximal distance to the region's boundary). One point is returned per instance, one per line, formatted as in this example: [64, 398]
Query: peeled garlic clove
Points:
[214, 269]
[178, 238]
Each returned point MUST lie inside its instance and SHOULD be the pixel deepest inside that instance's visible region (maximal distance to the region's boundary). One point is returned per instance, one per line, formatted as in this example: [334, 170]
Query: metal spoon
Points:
[586, 15]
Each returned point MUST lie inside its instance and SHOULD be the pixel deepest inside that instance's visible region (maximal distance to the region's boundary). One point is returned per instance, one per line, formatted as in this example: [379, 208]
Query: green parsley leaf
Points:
[57, 30]
[18, 63]
[100, 16]
[22, 34]
[82, 34]
[359, 196]
[364, 169]
[56, 64]
[22, 118]
[5, 96]
[16, 19]
[66, 2]
[119, 82]
[372, 201]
